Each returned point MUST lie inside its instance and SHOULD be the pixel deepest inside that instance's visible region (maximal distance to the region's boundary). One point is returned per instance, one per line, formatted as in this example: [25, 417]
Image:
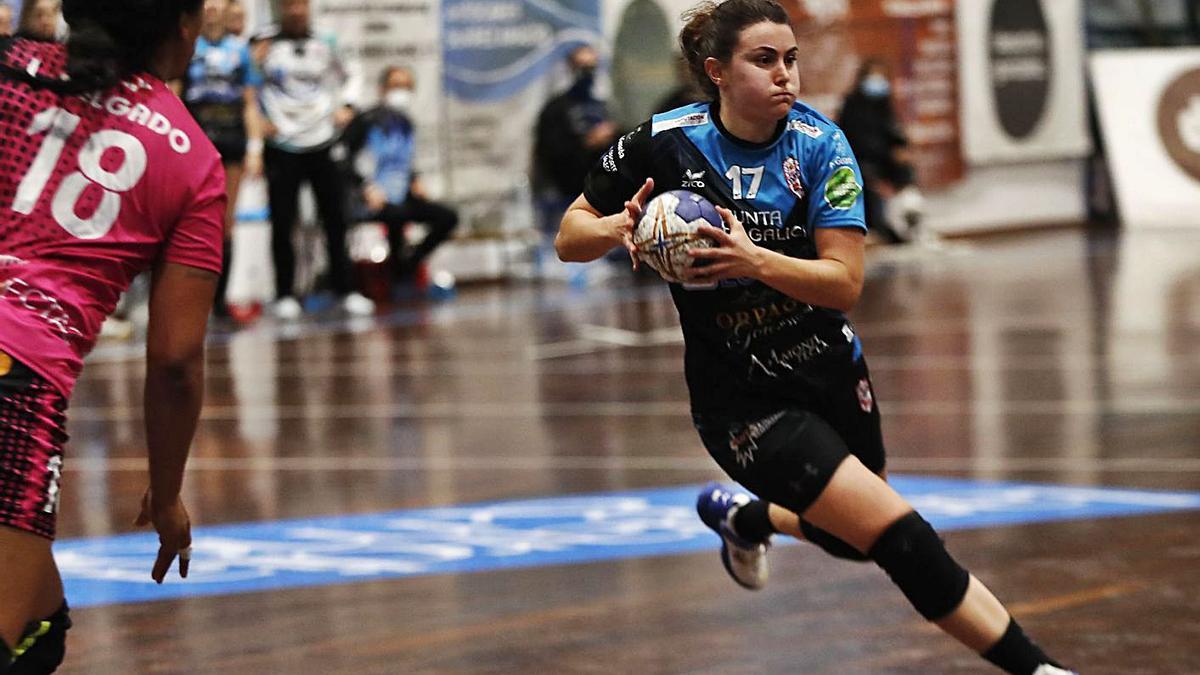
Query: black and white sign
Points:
[1021, 80]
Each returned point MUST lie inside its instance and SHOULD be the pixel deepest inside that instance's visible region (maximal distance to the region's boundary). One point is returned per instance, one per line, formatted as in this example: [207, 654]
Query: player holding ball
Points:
[780, 392]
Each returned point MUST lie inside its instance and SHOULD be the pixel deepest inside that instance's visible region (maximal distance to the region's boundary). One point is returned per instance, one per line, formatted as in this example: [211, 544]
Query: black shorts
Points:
[32, 436]
[789, 455]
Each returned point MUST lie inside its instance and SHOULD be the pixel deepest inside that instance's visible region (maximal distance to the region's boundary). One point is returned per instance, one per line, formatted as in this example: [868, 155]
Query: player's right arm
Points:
[181, 295]
[180, 299]
[615, 191]
[585, 234]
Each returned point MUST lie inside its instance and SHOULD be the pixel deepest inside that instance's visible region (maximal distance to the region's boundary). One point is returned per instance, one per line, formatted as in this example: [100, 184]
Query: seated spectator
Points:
[380, 143]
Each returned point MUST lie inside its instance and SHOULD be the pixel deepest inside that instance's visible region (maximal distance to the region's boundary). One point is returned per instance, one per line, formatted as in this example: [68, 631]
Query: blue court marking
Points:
[500, 535]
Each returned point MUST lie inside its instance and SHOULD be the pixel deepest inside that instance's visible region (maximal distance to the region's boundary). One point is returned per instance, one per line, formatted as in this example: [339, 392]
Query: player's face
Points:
[214, 11]
[761, 79]
[294, 15]
[235, 19]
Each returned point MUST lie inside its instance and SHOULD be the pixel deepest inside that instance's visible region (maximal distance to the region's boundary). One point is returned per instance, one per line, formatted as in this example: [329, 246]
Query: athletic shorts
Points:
[32, 435]
[787, 456]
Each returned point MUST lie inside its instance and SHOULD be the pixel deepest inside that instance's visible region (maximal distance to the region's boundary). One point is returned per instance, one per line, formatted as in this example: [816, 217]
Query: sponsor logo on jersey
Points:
[692, 179]
[10, 261]
[44, 305]
[841, 161]
[743, 438]
[791, 175]
[623, 140]
[805, 128]
[866, 400]
[842, 189]
[691, 120]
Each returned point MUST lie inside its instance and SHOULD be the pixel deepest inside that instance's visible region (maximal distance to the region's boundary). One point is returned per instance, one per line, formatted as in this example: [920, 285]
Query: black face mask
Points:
[582, 87]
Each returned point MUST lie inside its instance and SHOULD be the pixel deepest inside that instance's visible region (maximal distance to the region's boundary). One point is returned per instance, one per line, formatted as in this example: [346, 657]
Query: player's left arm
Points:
[837, 221]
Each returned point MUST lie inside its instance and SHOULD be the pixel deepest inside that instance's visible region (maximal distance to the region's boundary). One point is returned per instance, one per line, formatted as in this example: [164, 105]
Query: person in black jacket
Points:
[573, 130]
[869, 122]
[380, 143]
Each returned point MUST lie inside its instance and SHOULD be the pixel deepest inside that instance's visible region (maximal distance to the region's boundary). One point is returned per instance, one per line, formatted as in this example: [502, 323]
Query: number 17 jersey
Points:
[748, 345]
[94, 189]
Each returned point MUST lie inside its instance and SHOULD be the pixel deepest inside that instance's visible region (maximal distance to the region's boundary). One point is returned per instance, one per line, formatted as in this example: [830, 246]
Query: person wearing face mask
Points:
[380, 145]
[879, 142]
[573, 131]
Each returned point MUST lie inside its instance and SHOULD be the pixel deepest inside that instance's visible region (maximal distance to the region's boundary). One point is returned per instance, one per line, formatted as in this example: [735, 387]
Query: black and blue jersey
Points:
[747, 343]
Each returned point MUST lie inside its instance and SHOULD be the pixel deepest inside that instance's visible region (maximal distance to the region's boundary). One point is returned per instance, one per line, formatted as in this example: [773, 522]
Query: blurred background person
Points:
[683, 93]
[380, 145]
[303, 98]
[6, 19]
[573, 130]
[878, 140]
[235, 18]
[219, 90]
[39, 19]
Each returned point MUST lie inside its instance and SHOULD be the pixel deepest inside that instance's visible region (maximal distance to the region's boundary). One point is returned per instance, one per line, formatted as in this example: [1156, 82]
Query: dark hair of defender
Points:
[711, 30]
[111, 39]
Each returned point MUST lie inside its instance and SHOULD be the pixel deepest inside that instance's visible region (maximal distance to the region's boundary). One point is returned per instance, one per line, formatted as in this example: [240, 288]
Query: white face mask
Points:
[398, 100]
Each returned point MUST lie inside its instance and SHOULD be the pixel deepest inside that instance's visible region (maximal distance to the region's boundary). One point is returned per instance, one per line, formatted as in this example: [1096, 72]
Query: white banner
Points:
[1149, 104]
[1021, 67]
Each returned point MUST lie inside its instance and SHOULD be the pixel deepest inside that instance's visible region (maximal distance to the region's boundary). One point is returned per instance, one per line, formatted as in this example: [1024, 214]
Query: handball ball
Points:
[667, 231]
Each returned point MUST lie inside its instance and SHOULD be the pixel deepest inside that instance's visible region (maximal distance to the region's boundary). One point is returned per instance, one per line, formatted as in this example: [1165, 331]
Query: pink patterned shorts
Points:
[32, 435]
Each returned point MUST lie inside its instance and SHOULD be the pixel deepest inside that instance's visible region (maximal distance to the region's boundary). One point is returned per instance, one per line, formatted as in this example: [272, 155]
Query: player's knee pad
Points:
[913, 555]
[831, 544]
[43, 646]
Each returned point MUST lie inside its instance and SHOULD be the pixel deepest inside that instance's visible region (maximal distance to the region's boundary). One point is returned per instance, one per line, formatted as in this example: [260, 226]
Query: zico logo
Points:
[1179, 121]
[842, 189]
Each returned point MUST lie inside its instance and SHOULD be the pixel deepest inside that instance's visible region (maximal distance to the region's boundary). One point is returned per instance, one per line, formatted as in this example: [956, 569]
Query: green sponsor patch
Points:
[842, 189]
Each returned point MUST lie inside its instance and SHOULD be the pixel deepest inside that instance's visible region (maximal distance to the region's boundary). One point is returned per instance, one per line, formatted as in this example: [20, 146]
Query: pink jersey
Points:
[94, 189]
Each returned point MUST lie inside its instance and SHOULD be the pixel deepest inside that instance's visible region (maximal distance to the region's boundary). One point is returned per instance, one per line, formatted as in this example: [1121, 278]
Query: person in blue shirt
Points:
[780, 392]
[380, 145]
[219, 89]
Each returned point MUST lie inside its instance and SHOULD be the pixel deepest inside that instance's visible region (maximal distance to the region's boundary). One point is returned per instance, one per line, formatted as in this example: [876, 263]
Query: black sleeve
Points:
[620, 172]
[353, 139]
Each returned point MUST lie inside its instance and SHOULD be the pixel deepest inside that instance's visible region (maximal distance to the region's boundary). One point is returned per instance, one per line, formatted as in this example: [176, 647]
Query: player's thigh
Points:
[856, 505]
[786, 457]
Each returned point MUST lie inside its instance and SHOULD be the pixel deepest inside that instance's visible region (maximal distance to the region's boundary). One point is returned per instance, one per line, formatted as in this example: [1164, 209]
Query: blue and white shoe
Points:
[745, 561]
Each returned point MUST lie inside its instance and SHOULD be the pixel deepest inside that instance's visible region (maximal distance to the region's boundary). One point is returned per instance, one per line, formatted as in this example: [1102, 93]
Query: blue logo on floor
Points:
[490, 536]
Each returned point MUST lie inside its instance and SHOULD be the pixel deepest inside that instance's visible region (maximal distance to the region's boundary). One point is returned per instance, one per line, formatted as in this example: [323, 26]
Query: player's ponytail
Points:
[711, 30]
[110, 39]
[94, 60]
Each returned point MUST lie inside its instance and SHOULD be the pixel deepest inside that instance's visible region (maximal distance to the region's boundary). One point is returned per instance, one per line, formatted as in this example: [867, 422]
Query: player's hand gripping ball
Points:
[667, 231]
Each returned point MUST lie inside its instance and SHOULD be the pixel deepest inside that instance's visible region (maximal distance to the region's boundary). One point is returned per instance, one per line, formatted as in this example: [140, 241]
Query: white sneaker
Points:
[358, 304]
[287, 309]
[1047, 669]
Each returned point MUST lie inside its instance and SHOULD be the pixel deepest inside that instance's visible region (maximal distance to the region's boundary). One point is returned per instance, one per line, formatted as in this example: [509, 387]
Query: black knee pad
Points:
[42, 648]
[831, 544]
[913, 555]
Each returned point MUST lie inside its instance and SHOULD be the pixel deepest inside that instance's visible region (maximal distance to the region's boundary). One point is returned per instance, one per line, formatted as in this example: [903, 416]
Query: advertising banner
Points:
[916, 39]
[1149, 105]
[499, 60]
[1021, 76]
